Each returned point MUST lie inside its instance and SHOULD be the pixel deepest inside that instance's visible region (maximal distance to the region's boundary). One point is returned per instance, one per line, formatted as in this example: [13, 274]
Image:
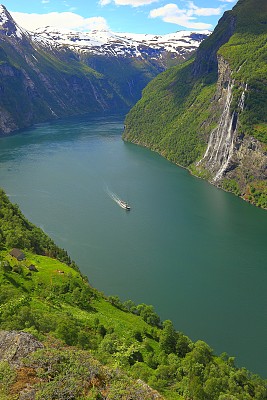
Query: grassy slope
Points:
[49, 304]
[82, 329]
[177, 112]
[41, 307]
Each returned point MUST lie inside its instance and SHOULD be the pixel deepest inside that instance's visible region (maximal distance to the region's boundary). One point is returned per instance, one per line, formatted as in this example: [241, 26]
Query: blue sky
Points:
[135, 16]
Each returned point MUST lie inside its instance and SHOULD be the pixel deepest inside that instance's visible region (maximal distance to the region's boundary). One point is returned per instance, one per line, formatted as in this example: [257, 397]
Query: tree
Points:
[148, 314]
[67, 331]
[168, 338]
[182, 345]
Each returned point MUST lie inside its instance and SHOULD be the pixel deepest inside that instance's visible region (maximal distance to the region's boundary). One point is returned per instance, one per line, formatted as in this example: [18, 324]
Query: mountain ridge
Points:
[109, 43]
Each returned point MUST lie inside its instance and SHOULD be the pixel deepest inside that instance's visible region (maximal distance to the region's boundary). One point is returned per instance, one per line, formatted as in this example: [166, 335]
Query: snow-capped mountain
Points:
[108, 43]
[174, 46]
[8, 27]
[51, 73]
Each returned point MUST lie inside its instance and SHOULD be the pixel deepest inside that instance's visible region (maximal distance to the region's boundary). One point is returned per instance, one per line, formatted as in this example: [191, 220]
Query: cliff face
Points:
[206, 56]
[236, 157]
[36, 86]
[211, 115]
[230, 154]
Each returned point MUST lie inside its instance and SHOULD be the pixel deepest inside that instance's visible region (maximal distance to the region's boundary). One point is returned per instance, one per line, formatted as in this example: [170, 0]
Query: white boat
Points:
[124, 204]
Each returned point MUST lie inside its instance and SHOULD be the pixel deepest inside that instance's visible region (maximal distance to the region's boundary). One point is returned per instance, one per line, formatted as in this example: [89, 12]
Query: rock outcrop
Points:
[14, 346]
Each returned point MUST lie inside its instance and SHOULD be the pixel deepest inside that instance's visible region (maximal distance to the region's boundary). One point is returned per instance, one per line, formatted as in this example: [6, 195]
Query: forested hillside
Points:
[209, 115]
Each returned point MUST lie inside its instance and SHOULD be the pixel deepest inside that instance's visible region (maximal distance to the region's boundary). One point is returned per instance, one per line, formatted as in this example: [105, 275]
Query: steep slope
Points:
[37, 85]
[89, 346]
[49, 74]
[209, 115]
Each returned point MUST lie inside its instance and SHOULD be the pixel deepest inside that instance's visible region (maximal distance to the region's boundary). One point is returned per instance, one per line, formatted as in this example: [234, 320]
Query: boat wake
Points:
[115, 197]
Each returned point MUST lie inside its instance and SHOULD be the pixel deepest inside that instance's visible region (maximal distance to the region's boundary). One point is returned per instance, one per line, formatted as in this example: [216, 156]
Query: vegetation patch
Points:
[256, 193]
[231, 185]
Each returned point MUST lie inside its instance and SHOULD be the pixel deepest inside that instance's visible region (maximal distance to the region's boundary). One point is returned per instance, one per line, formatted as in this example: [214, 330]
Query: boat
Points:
[124, 204]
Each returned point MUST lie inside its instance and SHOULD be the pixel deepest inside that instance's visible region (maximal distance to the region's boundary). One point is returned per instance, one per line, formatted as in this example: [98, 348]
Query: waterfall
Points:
[221, 142]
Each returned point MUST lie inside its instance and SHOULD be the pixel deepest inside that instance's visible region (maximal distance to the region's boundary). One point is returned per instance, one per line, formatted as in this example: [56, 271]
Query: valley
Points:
[59, 74]
[110, 253]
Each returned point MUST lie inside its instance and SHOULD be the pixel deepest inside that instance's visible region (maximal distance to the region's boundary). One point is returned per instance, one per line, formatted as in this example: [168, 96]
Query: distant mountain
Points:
[49, 74]
[106, 43]
[210, 114]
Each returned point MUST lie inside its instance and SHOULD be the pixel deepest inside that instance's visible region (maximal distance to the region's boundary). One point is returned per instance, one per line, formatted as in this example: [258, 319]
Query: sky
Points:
[134, 16]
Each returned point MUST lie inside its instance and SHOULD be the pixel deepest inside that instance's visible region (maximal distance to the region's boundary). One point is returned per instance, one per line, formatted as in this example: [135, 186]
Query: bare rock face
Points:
[249, 160]
[16, 345]
[219, 153]
[229, 154]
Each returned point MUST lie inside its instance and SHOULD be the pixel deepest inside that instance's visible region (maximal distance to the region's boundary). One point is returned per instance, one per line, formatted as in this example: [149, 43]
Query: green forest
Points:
[97, 347]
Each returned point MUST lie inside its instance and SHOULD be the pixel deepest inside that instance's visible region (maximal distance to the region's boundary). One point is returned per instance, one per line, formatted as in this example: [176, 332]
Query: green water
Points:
[196, 253]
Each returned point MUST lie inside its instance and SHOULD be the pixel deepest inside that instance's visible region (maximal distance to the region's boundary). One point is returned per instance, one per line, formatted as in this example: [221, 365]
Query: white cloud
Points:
[104, 2]
[184, 17]
[66, 20]
[207, 12]
[203, 12]
[45, 1]
[133, 3]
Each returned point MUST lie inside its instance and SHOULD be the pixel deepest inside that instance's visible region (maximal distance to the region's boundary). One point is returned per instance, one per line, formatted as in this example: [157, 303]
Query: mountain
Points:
[60, 338]
[162, 48]
[49, 74]
[210, 114]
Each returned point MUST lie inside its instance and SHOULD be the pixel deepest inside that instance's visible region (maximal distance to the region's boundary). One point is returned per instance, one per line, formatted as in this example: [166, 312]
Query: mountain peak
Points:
[8, 27]
[2, 8]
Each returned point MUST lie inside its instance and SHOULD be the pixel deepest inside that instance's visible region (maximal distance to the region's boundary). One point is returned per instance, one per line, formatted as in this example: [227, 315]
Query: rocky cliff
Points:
[210, 115]
[232, 155]
[236, 156]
